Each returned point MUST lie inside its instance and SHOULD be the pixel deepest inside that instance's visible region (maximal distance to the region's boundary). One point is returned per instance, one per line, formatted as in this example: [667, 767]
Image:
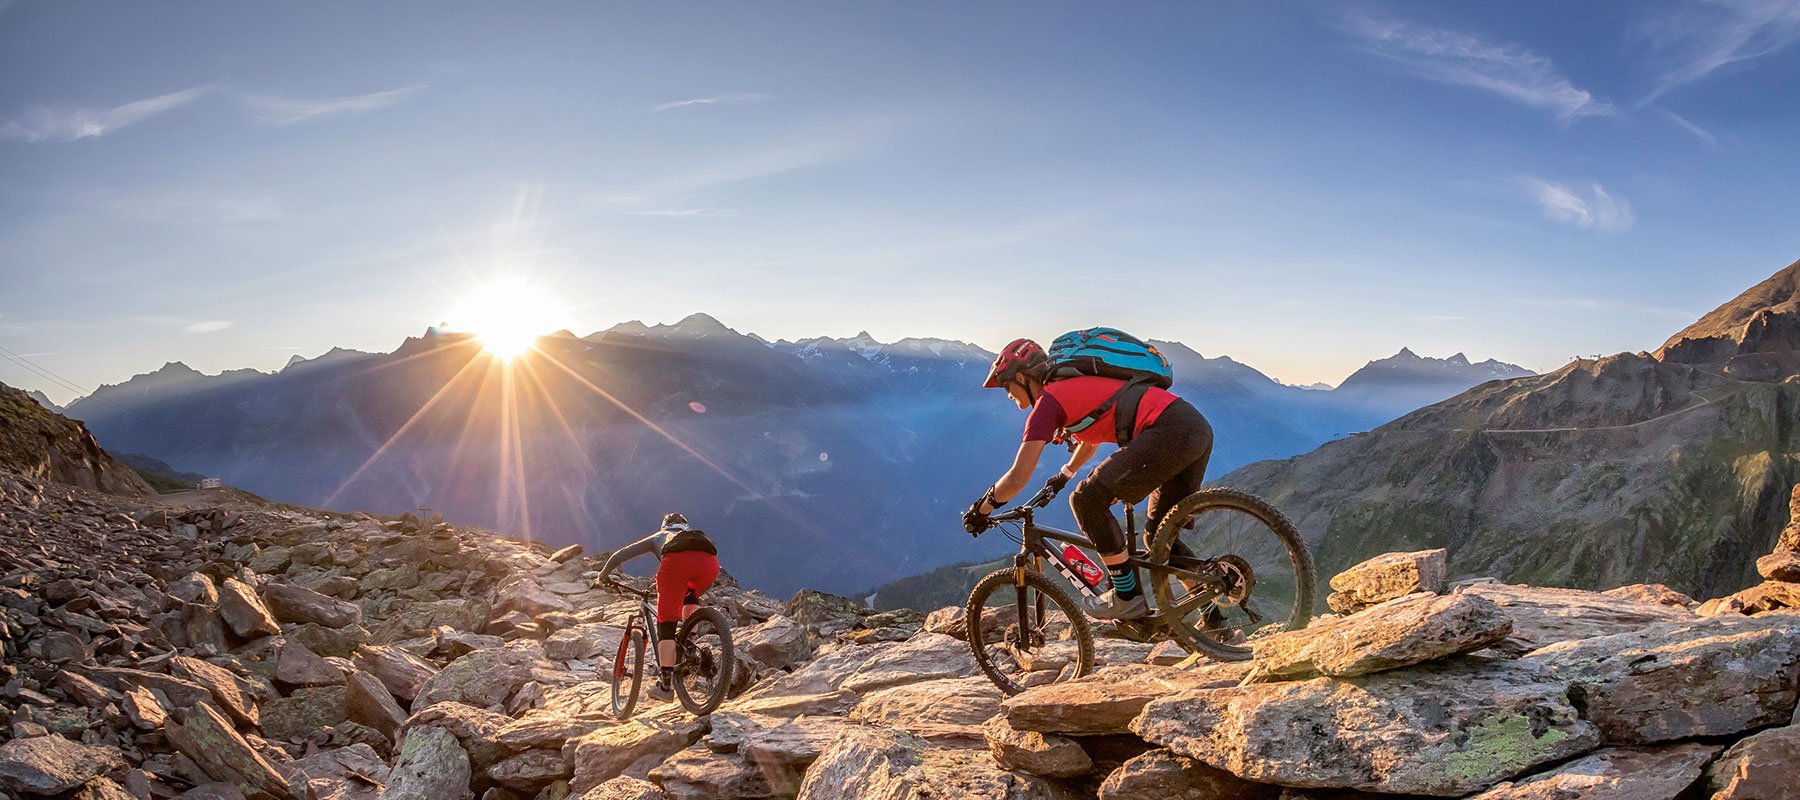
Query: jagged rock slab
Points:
[208, 738]
[948, 708]
[1781, 565]
[1616, 773]
[1670, 681]
[1446, 728]
[355, 772]
[306, 710]
[1397, 633]
[1656, 593]
[403, 673]
[529, 772]
[623, 788]
[460, 614]
[606, 753]
[1760, 767]
[1546, 616]
[51, 764]
[100, 789]
[775, 644]
[300, 605]
[181, 693]
[549, 729]
[483, 678]
[475, 728]
[299, 666]
[244, 612]
[836, 703]
[591, 640]
[367, 701]
[774, 741]
[927, 656]
[1046, 754]
[1162, 774]
[881, 764]
[1387, 577]
[432, 766]
[822, 675]
[1109, 699]
[221, 684]
[340, 642]
[698, 774]
[1759, 599]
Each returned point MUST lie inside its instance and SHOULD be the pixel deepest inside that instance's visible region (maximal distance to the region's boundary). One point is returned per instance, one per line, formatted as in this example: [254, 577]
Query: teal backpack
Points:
[1110, 353]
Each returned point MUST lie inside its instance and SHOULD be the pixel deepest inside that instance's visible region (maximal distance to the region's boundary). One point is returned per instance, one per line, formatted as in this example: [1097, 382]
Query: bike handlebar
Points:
[1023, 510]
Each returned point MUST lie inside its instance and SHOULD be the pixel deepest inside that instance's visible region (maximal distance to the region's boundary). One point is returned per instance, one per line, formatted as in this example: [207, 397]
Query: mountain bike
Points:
[1224, 567]
[703, 658]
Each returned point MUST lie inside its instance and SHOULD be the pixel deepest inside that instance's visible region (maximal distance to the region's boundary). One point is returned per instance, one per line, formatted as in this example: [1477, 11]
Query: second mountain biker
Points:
[689, 563]
[1164, 458]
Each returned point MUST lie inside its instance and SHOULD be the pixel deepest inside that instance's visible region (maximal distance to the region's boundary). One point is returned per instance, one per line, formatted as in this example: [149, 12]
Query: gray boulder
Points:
[1708, 677]
[51, 764]
[1616, 773]
[1447, 728]
[1397, 633]
[432, 766]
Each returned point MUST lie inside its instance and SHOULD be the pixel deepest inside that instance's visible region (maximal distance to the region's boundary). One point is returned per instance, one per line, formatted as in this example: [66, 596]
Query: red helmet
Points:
[1022, 355]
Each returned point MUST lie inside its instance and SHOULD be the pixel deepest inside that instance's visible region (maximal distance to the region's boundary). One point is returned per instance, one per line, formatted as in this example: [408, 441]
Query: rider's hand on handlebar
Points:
[975, 520]
[1056, 484]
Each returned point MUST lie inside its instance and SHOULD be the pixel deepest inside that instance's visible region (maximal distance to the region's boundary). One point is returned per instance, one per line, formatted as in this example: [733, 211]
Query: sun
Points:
[506, 315]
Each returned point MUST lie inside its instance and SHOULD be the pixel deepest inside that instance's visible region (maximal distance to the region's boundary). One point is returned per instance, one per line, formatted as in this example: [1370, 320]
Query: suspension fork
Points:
[1024, 623]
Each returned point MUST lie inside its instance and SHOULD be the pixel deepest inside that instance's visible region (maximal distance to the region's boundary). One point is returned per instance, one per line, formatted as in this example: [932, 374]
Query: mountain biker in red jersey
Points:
[1164, 460]
[688, 565]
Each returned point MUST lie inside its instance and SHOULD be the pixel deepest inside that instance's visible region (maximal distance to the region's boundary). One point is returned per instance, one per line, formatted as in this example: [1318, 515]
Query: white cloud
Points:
[281, 111]
[735, 99]
[44, 123]
[1589, 207]
[1705, 36]
[1685, 124]
[207, 326]
[1506, 69]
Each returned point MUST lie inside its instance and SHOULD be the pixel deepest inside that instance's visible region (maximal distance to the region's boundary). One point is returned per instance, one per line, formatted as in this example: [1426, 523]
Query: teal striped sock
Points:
[1124, 581]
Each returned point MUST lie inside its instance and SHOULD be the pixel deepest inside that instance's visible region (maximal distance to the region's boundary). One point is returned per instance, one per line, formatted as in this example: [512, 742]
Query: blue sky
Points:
[1304, 187]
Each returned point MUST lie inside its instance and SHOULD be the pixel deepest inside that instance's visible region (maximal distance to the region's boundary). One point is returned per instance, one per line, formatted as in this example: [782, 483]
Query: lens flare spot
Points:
[698, 407]
[824, 456]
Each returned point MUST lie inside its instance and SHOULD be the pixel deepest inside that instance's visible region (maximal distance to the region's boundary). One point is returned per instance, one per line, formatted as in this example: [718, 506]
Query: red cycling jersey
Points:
[1070, 399]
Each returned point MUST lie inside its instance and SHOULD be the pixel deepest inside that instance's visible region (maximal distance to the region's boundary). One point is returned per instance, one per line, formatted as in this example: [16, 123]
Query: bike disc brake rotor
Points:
[1240, 580]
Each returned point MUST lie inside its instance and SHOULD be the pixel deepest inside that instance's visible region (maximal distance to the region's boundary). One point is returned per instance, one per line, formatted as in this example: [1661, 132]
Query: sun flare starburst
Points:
[506, 315]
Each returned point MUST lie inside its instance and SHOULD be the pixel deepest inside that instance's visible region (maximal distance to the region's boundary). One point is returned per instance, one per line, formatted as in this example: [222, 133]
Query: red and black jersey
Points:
[1071, 399]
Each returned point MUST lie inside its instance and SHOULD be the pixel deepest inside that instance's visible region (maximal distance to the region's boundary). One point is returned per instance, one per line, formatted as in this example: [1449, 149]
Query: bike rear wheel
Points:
[703, 666]
[1251, 555]
[1028, 635]
[628, 672]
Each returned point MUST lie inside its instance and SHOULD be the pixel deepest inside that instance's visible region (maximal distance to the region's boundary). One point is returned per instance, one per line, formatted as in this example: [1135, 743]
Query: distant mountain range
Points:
[830, 463]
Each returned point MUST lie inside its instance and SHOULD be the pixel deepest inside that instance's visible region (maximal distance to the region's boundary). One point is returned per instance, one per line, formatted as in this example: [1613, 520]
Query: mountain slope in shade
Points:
[40, 443]
[1671, 468]
[44, 401]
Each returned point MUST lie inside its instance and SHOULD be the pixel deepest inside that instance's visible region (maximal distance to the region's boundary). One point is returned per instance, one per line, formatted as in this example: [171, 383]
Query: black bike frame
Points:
[649, 618]
[1033, 547]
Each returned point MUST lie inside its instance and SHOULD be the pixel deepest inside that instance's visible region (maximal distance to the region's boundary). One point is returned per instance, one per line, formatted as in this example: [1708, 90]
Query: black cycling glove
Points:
[975, 520]
[1056, 483]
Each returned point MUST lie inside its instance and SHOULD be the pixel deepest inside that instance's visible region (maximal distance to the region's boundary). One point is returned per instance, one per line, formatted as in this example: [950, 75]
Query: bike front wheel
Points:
[703, 668]
[1247, 557]
[628, 672]
[1027, 635]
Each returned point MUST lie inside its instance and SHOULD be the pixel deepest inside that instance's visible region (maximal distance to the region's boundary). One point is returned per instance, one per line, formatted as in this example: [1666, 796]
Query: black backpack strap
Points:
[1125, 419]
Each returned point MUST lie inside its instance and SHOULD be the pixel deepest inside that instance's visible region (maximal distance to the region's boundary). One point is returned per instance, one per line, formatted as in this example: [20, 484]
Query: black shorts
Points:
[1165, 463]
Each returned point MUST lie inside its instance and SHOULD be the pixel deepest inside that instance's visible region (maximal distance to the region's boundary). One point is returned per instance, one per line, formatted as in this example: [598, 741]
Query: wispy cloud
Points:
[1509, 70]
[282, 111]
[46, 123]
[686, 212]
[1685, 124]
[207, 326]
[1701, 37]
[1611, 305]
[1589, 206]
[733, 99]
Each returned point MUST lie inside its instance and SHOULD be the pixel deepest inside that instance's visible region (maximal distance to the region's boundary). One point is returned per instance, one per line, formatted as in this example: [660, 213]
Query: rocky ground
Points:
[250, 651]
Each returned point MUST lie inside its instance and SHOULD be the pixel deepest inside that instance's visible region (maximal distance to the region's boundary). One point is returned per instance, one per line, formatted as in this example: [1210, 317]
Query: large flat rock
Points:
[1162, 774]
[1678, 680]
[1397, 633]
[879, 764]
[954, 707]
[1109, 699]
[1447, 728]
[927, 656]
[1546, 616]
[1389, 576]
[1616, 773]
